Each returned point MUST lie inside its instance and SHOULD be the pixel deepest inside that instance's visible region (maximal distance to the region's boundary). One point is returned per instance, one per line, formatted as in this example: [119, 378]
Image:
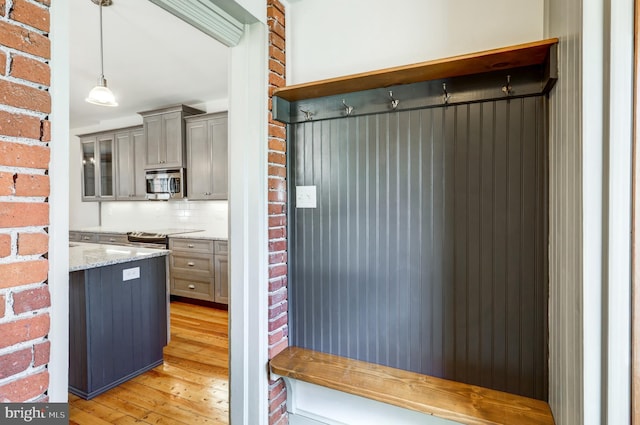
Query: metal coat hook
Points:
[347, 109]
[394, 102]
[507, 90]
[308, 115]
[445, 94]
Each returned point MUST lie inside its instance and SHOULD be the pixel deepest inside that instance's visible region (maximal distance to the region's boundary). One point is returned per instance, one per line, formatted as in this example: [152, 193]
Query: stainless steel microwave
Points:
[163, 185]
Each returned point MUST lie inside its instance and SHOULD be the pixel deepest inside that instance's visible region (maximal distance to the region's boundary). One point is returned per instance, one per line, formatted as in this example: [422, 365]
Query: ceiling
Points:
[151, 59]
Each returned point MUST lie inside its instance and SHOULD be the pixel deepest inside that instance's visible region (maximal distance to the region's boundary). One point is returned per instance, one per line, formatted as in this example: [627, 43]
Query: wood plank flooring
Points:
[191, 387]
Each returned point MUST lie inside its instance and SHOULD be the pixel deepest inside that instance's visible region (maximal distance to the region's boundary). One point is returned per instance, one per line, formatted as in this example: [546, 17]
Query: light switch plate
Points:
[306, 197]
[130, 274]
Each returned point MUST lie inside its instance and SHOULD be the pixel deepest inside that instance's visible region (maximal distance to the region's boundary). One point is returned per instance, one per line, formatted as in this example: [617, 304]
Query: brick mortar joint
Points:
[27, 112]
[23, 171]
[10, 51]
[275, 319]
[24, 199]
[10, 78]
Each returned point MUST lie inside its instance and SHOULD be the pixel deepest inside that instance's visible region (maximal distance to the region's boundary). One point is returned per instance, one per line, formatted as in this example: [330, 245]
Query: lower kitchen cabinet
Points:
[199, 269]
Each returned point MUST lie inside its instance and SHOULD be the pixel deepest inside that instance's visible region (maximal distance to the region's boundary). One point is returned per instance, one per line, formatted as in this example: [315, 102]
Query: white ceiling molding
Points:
[207, 17]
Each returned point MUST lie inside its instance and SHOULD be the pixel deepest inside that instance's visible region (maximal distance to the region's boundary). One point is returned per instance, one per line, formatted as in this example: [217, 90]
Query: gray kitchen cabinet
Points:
[98, 237]
[98, 167]
[164, 134]
[221, 268]
[206, 146]
[197, 271]
[113, 238]
[87, 237]
[130, 160]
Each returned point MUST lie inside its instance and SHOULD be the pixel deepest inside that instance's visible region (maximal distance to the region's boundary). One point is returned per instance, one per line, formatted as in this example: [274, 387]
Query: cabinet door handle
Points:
[191, 264]
[192, 286]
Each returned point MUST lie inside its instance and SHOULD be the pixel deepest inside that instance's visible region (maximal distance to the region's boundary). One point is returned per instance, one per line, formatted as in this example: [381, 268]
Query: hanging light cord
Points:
[101, 49]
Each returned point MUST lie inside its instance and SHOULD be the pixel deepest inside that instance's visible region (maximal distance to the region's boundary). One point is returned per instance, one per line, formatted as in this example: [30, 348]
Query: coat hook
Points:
[507, 90]
[347, 109]
[445, 94]
[308, 115]
[394, 102]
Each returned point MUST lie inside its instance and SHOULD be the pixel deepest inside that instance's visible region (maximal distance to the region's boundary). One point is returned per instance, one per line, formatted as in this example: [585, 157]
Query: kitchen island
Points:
[117, 314]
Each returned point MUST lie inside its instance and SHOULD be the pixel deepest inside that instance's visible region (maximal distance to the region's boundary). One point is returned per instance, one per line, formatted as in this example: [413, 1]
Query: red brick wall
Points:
[24, 209]
[278, 319]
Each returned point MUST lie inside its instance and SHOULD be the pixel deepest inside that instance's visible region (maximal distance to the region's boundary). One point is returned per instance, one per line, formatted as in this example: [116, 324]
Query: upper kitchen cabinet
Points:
[207, 156]
[130, 162]
[98, 168]
[164, 131]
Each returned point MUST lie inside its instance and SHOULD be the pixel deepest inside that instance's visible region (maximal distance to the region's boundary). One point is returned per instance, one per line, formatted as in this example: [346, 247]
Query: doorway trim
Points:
[635, 238]
[247, 220]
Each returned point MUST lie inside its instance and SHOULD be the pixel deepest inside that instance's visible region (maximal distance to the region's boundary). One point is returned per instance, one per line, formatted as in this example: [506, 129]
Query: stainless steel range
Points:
[155, 238]
[148, 239]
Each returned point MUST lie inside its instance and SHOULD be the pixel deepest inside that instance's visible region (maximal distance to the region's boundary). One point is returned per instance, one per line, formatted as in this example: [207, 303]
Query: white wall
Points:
[590, 211]
[143, 215]
[566, 305]
[330, 38]
[211, 216]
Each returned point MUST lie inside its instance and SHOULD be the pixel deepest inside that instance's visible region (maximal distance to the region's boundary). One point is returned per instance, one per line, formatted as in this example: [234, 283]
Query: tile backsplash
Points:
[206, 215]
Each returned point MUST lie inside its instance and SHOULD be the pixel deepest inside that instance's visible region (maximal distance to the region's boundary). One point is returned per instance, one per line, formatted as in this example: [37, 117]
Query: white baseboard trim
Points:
[310, 404]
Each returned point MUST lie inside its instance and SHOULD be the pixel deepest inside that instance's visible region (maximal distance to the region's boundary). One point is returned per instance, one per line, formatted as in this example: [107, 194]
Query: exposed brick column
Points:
[24, 209]
[278, 311]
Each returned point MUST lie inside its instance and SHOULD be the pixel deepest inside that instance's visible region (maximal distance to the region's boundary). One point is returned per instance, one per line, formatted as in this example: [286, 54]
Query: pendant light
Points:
[100, 94]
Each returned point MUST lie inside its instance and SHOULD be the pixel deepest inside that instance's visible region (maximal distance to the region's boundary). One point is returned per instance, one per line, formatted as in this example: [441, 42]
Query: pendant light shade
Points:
[100, 94]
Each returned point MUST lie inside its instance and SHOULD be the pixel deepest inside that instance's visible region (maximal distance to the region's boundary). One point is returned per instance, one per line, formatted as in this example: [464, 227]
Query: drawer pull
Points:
[190, 245]
[86, 238]
[111, 240]
[191, 264]
[192, 286]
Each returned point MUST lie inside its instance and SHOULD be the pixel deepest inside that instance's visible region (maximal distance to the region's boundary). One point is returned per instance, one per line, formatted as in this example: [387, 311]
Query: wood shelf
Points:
[464, 403]
[528, 54]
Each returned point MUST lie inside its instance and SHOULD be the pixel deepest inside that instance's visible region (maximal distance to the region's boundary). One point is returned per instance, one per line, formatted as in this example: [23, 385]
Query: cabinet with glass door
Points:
[98, 167]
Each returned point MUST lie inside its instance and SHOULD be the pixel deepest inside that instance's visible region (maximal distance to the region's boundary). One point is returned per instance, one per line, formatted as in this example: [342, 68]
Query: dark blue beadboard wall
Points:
[428, 247]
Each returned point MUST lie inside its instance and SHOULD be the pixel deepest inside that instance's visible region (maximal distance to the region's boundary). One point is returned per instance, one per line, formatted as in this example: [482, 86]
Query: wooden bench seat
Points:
[463, 403]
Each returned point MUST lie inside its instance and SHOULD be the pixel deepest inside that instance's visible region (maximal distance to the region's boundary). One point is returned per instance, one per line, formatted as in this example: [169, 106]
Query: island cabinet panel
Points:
[117, 326]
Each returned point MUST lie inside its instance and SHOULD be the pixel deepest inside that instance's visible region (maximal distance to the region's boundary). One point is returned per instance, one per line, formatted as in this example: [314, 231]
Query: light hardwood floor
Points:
[191, 387]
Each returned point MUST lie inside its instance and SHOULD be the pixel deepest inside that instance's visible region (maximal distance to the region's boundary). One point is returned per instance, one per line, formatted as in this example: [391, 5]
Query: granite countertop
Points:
[84, 256]
[125, 230]
[203, 234]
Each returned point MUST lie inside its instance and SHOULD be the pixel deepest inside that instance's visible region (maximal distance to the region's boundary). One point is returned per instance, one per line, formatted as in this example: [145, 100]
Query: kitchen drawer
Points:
[74, 236]
[191, 245]
[112, 238]
[192, 263]
[88, 237]
[192, 288]
[221, 247]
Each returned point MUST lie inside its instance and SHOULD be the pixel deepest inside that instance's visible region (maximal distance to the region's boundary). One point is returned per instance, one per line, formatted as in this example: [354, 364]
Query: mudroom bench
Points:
[324, 388]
